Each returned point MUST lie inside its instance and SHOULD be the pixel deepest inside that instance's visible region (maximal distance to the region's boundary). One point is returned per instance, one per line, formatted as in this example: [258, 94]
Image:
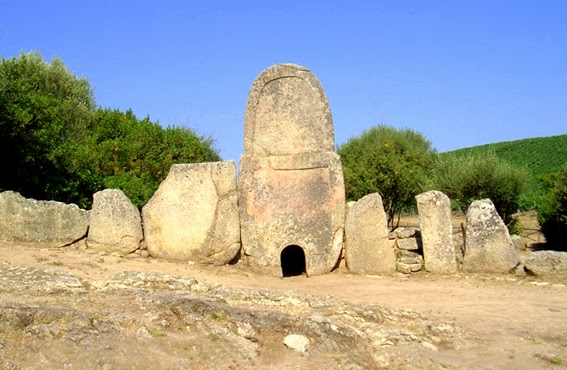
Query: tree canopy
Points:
[388, 161]
[55, 143]
[44, 111]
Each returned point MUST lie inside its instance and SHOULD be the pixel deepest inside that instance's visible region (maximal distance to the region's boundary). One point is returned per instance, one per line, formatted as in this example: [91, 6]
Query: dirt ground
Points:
[516, 322]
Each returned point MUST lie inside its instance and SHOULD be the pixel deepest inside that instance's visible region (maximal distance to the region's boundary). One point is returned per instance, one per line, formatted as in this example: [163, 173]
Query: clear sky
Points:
[461, 72]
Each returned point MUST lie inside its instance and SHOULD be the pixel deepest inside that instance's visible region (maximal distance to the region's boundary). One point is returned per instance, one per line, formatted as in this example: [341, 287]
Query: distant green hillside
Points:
[540, 156]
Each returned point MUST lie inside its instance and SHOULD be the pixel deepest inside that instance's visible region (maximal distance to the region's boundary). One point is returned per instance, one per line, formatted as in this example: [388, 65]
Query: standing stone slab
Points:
[194, 214]
[367, 247]
[488, 247]
[115, 223]
[291, 187]
[47, 224]
[436, 226]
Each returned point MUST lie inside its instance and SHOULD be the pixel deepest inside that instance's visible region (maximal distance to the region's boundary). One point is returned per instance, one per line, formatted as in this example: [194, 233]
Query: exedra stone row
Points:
[287, 212]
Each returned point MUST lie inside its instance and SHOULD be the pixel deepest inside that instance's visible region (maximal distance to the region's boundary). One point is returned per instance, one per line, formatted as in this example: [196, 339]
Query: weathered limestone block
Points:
[47, 224]
[489, 247]
[436, 227]
[368, 249]
[115, 223]
[547, 263]
[194, 214]
[292, 200]
[291, 187]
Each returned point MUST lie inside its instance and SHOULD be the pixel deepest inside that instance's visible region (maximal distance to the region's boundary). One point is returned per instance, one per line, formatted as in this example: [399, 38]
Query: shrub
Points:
[478, 176]
[552, 214]
[387, 161]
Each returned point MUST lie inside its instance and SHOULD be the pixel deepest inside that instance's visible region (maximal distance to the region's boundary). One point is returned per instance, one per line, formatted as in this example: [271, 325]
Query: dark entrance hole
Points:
[293, 261]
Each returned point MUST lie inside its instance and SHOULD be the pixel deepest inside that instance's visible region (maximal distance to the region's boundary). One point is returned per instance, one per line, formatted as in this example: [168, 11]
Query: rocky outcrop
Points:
[115, 223]
[434, 210]
[194, 214]
[45, 224]
[488, 246]
[155, 320]
[547, 263]
[367, 247]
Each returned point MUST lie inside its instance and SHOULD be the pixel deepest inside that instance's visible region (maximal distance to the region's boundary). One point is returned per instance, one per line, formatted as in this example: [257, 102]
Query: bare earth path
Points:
[511, 323]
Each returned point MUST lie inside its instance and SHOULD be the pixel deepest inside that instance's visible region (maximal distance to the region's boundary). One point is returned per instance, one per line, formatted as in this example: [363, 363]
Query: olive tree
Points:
[388, 161]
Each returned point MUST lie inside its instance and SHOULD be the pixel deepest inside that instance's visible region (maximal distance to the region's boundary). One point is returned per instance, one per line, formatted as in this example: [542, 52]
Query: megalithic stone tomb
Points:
[291, 186]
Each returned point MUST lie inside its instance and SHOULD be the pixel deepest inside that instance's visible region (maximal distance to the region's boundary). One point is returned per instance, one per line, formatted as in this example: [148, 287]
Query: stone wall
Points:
[408, 249]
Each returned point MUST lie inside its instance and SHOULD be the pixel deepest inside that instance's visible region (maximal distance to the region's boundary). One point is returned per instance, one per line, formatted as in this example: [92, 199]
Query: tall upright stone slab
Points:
[488, 246]
[194, 214]
[291, 187]
[367, 247]
[436, 226]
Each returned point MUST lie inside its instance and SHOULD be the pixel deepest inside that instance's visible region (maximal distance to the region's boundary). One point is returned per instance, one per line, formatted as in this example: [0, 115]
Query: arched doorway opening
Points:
[293, 261]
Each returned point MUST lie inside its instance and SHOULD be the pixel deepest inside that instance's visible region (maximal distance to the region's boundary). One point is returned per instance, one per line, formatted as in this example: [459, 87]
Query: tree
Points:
[388, 161]
[135, 155]
[552, 214]
[55, 144]
[44, 112]
[473, 177]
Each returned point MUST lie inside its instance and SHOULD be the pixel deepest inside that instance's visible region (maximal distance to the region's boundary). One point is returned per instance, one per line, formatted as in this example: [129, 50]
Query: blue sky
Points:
[461, 72]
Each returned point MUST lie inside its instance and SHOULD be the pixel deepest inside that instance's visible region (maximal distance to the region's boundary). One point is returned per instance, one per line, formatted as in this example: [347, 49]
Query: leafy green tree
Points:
[135, 155]
[388, 161]
[552, 214]
[478, 176]
[44, 112]
[55, 144]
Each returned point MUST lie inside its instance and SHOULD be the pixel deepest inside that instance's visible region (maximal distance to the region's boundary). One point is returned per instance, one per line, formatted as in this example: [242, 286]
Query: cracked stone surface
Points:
[157, 320]
[194, 214]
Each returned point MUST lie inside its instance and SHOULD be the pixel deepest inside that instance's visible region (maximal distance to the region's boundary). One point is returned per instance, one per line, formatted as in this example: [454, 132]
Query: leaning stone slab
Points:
[547, 263]
[436, 226]
[115, 223]
[488, 246]
[46, 224]
[368, 249]
[194, 214]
